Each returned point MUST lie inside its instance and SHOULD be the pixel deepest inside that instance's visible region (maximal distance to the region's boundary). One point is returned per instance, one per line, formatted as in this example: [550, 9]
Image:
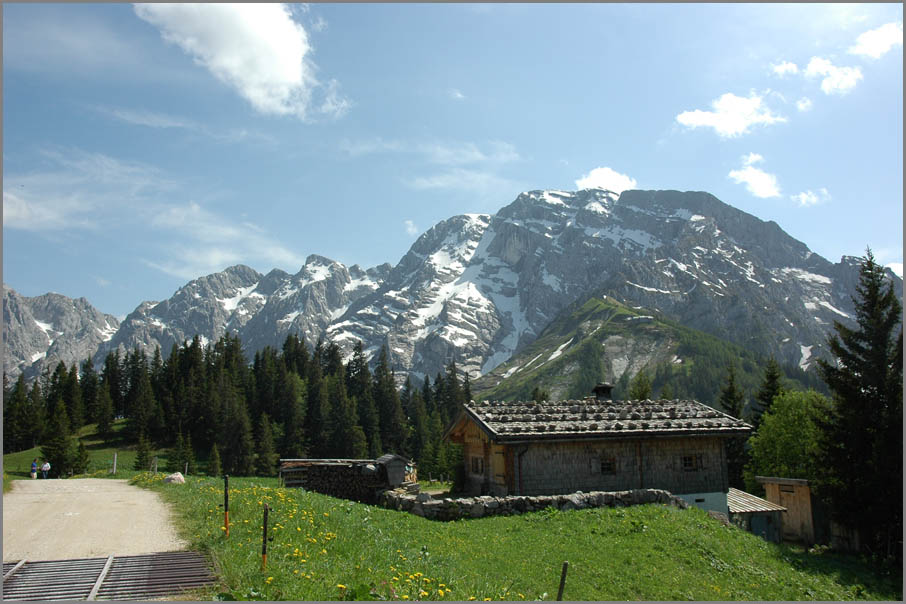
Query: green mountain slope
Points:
[602, 339]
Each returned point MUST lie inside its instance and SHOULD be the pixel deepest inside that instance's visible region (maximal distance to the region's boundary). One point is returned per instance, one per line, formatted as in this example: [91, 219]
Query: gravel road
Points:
[84, 518]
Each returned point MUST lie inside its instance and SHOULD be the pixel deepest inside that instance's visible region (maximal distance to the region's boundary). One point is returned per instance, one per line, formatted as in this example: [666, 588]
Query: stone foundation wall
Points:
[479, 507]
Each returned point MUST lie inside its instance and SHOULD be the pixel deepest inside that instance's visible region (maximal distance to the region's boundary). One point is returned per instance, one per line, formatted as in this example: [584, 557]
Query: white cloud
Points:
[876, 42]
[785, 68]
[443, 153]
[411, 229]
[208, 243]
[606, 178]
[758, 182]
[837, 80]
[79, 190]
[731, 116]
[897, 268]
[257, 49]
[810, 198]
[456, 94]
[151, 119]
[804, 104]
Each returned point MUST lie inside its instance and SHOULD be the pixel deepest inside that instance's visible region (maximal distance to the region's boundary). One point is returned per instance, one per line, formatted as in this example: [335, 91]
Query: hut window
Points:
[609, 466]
[477, 465]
[692, 463]
[787, 488]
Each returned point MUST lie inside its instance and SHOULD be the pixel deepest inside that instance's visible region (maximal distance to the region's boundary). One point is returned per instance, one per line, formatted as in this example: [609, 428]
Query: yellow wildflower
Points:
[341, 586]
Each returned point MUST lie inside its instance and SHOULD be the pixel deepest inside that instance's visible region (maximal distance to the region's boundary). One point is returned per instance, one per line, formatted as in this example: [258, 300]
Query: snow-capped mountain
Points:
[40, 332]
[477, 288]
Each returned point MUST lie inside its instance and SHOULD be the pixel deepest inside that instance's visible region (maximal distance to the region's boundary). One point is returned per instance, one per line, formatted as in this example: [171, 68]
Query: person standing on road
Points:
[45, 469]
[34, 469]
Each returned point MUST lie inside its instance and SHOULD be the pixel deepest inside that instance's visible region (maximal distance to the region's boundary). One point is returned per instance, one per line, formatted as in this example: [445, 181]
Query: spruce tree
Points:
[15, 417]
[89, 382]
[731, 399]
[360, 388]
[266, 458]
[771, 387]
[37, 416]
[142, 454]
[214, 468]
[176, 456]
[292, 395]
[861, 440]
[391, 418]
[640, 387]
[81, 460]
[105, 413]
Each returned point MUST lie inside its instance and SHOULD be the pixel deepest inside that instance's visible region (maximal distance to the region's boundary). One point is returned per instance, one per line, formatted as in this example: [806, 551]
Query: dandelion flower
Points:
[341, 586]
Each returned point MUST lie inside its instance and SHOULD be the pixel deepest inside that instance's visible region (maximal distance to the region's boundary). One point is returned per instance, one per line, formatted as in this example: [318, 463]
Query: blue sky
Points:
[146, 145]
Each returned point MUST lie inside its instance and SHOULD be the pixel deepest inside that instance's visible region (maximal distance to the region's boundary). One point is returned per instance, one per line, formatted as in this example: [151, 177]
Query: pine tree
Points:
[177, 455]
[732, 398]
[771, 387]
[861, 439]
[266, 459]
[37, 416]
[291, 392]
[214, 462]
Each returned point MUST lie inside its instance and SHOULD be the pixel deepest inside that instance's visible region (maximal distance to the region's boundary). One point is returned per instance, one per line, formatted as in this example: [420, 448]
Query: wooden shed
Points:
[756, 515]
[799, 519]
[543, 448]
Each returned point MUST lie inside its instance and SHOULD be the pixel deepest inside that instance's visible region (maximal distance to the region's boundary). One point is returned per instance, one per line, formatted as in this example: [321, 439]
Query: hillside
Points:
[603, 339]
[330, 549]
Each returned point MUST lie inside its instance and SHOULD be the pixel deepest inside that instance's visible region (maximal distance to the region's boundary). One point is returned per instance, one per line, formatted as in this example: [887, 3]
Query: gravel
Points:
[84, 518]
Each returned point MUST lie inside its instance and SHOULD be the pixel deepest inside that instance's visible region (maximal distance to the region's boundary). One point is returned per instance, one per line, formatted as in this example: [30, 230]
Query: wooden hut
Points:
[756, 515]
[542, 448]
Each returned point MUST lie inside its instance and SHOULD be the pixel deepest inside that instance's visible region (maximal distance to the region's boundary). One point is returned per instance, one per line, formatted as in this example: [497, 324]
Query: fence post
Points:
[155, 464]
[226, 503]
[186, 473]
[562, 582]
[114, 462]
[264, 541]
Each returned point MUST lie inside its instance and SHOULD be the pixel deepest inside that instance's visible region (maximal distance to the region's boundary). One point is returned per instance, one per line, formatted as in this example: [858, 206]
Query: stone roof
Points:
[595, 418]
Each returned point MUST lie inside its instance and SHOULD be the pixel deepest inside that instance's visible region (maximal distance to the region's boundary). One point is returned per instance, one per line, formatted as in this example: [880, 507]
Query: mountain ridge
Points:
[477, 288]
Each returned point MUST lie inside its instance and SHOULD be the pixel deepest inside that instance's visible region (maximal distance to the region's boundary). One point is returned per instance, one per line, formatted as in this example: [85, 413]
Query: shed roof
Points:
[741, 502]
[593, 418]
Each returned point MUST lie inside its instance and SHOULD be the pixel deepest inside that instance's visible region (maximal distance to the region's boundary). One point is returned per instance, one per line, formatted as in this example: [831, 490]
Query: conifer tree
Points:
[640, 386]
[176, 455]
[861, 439]
[89, 383]
[72, 396]
[266, 459]
[360, 388]
[81, 459]
[771, 387]
[347, 439]
[112, 375]
[214, 462]
[37, 416]
[391, 419]
[15, 417]
[292, 396]
[105, 413]
[57, 447]
[142, 454]
[732, 398]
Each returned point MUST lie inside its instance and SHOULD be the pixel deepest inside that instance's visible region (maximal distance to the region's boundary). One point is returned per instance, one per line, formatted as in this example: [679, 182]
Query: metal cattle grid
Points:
[112, 578]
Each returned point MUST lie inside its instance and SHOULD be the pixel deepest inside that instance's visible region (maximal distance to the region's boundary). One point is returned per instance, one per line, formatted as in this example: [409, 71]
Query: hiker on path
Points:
[45, 468]
[34, 469]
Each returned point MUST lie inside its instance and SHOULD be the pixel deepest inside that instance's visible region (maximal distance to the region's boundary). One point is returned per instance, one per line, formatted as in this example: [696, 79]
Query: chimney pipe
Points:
[603, 391]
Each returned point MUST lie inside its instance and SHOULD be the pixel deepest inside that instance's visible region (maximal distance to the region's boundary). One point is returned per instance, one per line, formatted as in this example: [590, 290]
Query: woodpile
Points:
[360, 480]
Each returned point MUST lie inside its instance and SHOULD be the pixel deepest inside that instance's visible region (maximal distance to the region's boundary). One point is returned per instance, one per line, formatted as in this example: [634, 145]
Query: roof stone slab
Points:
[592, 418]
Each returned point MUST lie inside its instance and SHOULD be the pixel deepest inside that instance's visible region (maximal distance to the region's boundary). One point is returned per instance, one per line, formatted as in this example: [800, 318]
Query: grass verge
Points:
[324, 548]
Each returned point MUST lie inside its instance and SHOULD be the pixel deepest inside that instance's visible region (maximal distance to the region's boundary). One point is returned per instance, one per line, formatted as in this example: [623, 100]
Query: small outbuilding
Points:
[756, 515]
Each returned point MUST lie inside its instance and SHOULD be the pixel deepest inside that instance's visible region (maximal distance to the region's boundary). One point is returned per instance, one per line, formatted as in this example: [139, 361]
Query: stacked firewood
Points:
[357, 480]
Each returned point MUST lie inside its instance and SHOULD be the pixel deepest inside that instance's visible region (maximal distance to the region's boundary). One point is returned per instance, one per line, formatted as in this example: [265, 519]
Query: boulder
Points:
[176, 477]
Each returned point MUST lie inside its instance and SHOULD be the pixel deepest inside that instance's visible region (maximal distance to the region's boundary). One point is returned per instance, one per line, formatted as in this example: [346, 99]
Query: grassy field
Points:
[17, 466]
[326, 549]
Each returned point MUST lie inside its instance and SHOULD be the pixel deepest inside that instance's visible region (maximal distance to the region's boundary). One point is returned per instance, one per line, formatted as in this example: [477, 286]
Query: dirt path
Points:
[83, 518]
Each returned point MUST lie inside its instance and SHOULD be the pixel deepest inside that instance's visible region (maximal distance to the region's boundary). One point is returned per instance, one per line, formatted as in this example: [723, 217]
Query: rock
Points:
[423, 497]
[176, 477]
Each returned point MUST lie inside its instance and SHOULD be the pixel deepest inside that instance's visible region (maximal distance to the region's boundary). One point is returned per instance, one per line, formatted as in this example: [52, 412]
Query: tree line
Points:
[209, 402]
